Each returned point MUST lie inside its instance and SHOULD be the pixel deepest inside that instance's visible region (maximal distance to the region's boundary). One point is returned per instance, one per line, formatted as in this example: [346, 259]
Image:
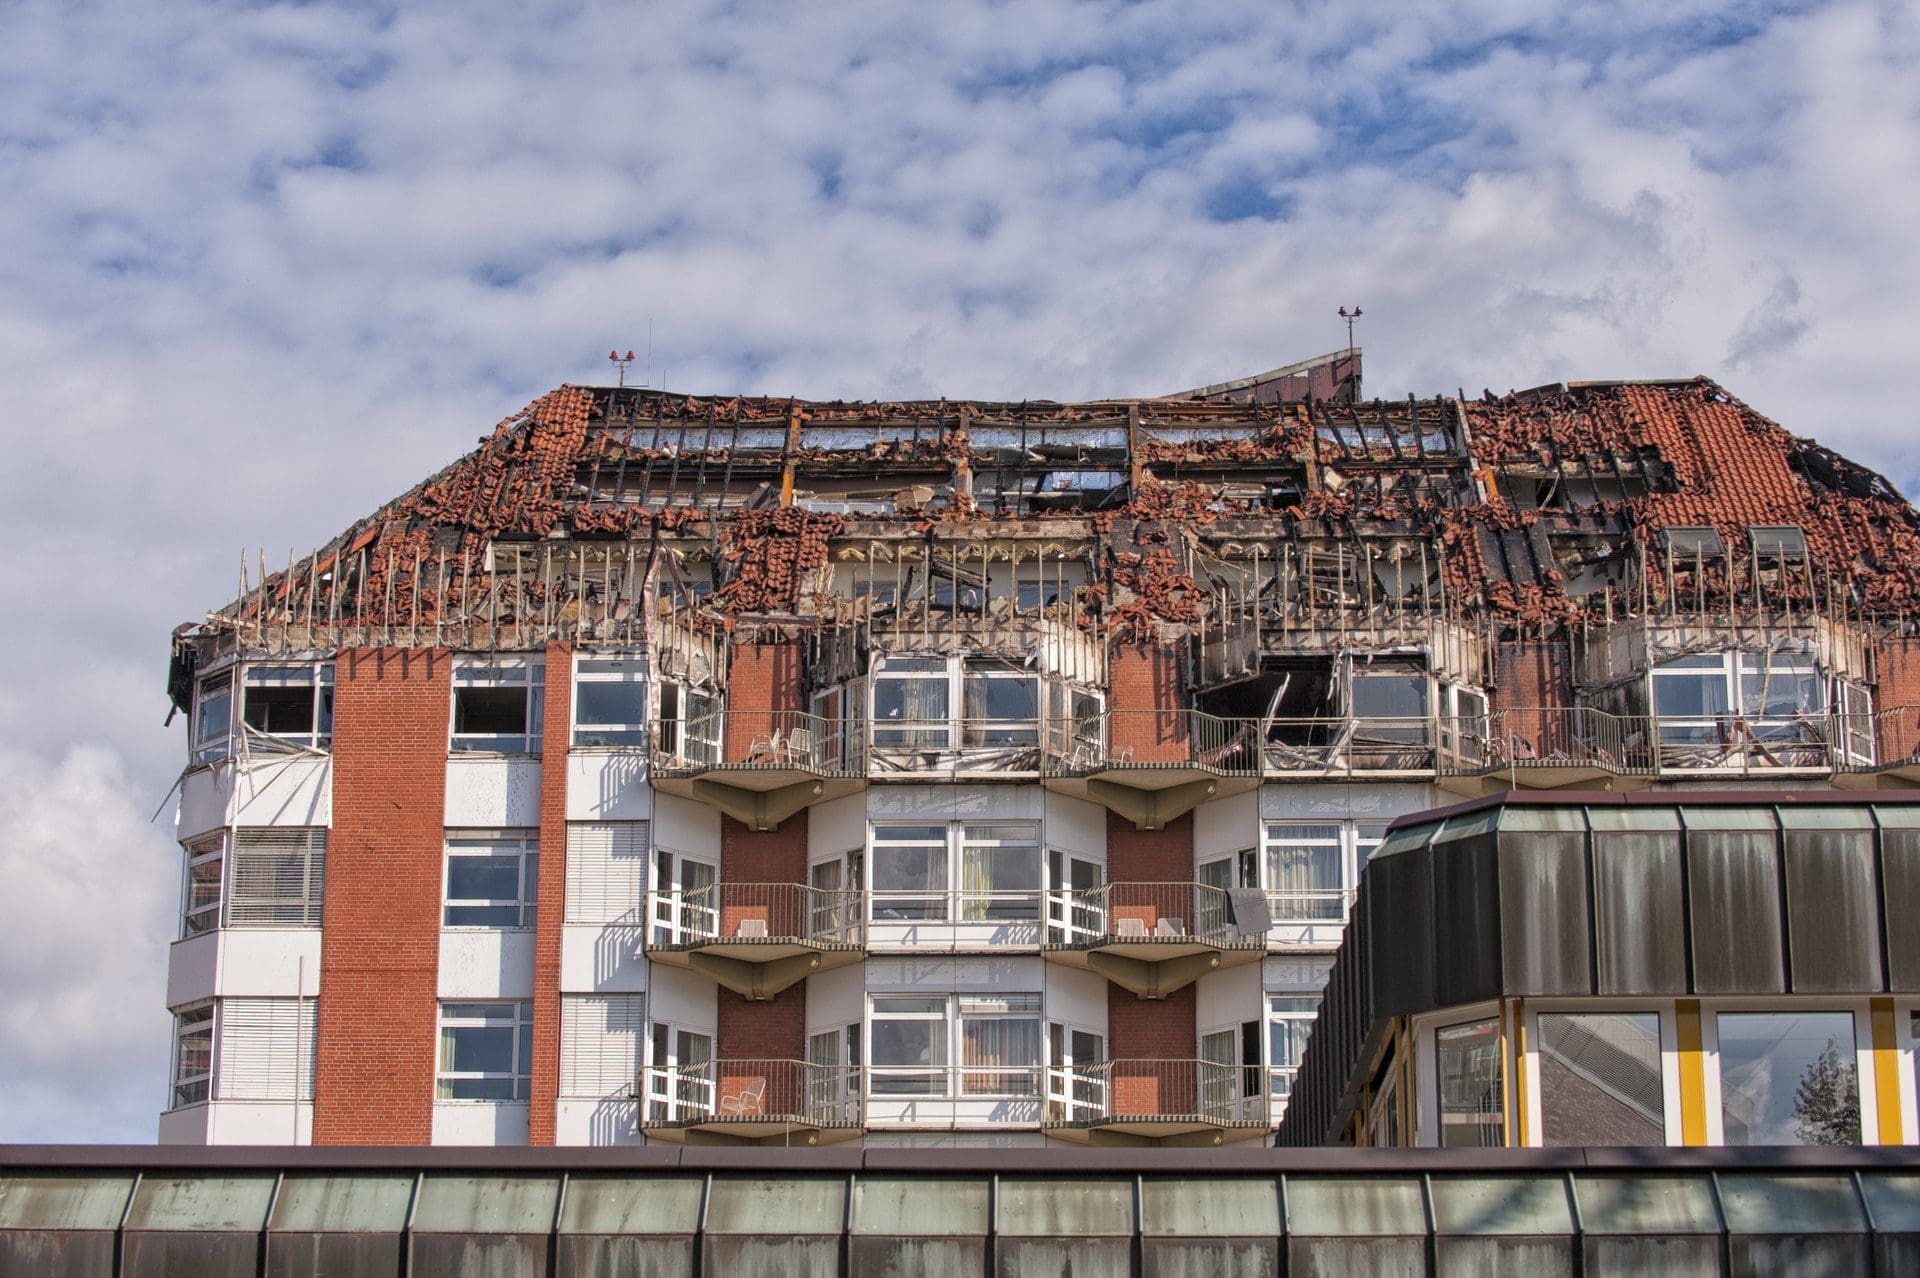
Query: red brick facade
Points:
[555, 731]
[380, 948]
[1148, 725]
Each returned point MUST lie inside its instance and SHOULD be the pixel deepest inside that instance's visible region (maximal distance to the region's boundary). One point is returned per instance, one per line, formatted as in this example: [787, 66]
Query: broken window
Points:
[1754, 709]
[213, 718]
[690, 724]
[497, 704]
[610, 701]
[1390, 700]
[1780, 545]
[1002, 704]
[289, 705]
[1691, 543]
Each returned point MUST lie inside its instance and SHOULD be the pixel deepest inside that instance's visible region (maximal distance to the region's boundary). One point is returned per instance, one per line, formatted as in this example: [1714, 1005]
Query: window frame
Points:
[953, 902]
[527, 672]
[1532, 1099]
[1278, 1098]
[524, 843]
[955, 728]
[203, 748]
[208, 849]
[1355, 843]
[953, 1018]
[519, 1020]
[205, 1014]
[598, 668]
[320, 678]
[1865, 1077]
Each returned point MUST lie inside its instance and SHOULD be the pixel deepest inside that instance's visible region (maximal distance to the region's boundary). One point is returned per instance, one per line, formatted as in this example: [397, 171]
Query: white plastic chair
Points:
[746, 1101]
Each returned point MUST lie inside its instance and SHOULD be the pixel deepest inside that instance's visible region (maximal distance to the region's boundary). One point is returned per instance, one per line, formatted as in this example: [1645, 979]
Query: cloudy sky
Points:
[268, 264]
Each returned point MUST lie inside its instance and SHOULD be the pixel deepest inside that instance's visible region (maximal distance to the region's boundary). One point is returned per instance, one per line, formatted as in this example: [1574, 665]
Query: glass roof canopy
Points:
[958, 1212]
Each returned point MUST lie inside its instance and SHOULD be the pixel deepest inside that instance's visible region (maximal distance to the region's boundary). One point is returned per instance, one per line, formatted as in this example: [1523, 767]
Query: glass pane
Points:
[58, 1201]
[1600, 1080]
[1468, 1059]
[1341, 1205]
[1646, 1204]
[789, 1205]
[1052, 1208]
[1198, 1208]
[1389, 695]
[615, 703]
[910, 1207]
[201, 1203]
[491, 1204]
[490, 711]
[343, 1203]
[483, 878]
[631, 1205]
[477, 1049]
[1501, 1205]
[1789, 1079]
[910, 1055]
[1791, 1204]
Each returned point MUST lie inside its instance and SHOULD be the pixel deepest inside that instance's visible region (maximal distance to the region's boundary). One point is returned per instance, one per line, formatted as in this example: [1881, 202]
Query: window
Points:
[213, 718]
[492, 878]
[486, 1051]
[279, 877]
[289, 705]
[910, 704]
[192, 1054]
[833, 1074]
[610, 701]
[1692, 543]
[1782, 544]
[680, 1074]
[998, 1036]
[1768, 707]
[1311, 867]
[1307, 872]
[1788, 1078]
[690, 724]
[601, 1038]
[266, 1049]
[1230, 1084]
[1467, 1058]
[1600, 1081]
[914, 699]
[1289, 1022]
[206, 865]
[497, 704]
[996, 869]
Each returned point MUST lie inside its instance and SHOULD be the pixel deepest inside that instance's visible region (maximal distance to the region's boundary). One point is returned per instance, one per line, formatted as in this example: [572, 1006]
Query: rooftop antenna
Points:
[621, 361]
[1350, 317]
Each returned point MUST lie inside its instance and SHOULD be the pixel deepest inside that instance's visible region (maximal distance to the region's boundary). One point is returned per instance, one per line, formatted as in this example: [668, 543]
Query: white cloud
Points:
[270, 264]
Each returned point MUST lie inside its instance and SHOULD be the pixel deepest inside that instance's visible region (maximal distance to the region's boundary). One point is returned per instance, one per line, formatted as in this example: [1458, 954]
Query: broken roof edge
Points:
[1272, 374]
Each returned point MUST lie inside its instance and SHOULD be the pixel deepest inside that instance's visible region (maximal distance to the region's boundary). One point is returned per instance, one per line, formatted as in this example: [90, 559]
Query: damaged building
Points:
[721, 770]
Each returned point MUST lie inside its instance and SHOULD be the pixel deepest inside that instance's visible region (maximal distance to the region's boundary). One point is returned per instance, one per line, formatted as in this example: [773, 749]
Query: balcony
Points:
[1153, 766]
[759, 766]
[756, 939]
[751, 1102]
[1155, 938]
[949, 1097]
[1551, 748]
[942, 748]
[1352, 747]
[1163, 1102]
[1879, 750]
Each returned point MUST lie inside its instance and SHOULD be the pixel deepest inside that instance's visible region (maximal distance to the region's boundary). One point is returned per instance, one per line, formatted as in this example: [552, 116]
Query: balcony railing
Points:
[1145, 1094]
[979, 1082]
[956, 744]
[1122, 739]
[1551, 738]
[766, 1093]
[1724, 743]
[750, 914]
[766, 740]
[1351, 745]
[1148, 914]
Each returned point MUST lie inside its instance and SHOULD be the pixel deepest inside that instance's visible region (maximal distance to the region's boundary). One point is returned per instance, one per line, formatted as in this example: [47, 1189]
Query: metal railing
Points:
[758, 1091]
[1142, 912]
[1520, 738]
[760, 739]
[756, 912]
[954, 1082]
[958, 743]
[1349, 744]
[1292, 907]
[1134, 738]
[1743, 743]
[1193, 1091]
[1884, 738]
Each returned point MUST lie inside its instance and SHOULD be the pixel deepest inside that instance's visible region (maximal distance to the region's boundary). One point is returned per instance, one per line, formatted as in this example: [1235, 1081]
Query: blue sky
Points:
[268, 264]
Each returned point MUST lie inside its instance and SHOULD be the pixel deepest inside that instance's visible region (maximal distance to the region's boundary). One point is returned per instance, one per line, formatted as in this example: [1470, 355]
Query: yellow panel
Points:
[1886, 1069]
[1693, 1072]
[1520, 1068]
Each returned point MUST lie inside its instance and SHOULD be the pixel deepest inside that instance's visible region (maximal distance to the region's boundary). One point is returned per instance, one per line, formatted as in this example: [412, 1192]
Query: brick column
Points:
[1143, 688]
[554, 740]
[1531, 679]
[762, 680]
[1898, 735]
[380, 944]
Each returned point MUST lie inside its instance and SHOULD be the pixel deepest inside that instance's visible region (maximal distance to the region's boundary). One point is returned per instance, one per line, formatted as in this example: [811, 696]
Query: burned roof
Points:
[1536, 509]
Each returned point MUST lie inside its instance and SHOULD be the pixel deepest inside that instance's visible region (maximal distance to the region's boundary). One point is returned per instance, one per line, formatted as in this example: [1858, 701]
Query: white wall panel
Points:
[487, 791]
[835, 999]
[681, 998]
[597, 1122]
[886, 801]
[1074, 825]
[260, 1123]
[1076, 996]
[205, 796]
[608, 785]
[1322, 801]
[269, 961]
[1226, 825]
[686, 826]
[602, 958]
[836, 826]
[1025, 973]
[287, 791]
[193, 969]
[486, 963]
[1224, 999]
[480, 1123]
[186, 1126]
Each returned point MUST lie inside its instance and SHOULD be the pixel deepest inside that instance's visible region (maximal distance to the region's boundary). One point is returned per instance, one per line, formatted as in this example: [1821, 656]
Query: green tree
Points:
[1826, 1103]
